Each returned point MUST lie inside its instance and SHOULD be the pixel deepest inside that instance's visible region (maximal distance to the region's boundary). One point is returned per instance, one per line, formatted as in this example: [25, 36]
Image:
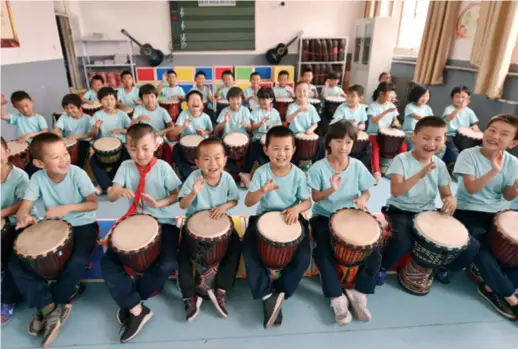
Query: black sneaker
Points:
[218, 299]
[278, 321]
[53, 323]
[475, 275]
[271, 308]
[192, 307]
[80, 289]
[36, 327]
[134, 324]
[499, 303]
[442, 276]
[122, 315]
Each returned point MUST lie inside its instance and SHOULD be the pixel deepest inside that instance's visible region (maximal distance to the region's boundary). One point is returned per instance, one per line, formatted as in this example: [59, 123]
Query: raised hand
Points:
[497, 160]
[198, 185]
[427, 169]
[149, 200]
[269, 186]
[336, 180]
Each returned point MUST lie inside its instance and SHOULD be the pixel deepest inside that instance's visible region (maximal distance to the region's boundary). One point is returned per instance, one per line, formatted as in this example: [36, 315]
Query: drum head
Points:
[284, 100]
[335, 99]
[17, 147]
[223, 102]
[92, 105]
[70, 142]
[42, 238]
[135, 232]
[507, 222]
[442, 229]
[314, 101]
[355, 227]
[107, 143]
[191, 140]
[466, 131]
[272, 226]
[306, 137]
[394, 132]
[362, 136]
[200, 224]
[235, 139]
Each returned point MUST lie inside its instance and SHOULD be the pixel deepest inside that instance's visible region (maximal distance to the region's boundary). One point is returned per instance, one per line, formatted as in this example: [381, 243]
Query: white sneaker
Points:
[358, 302]
[340, 306]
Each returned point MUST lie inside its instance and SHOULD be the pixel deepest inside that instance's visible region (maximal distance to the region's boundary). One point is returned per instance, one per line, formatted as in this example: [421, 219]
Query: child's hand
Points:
[269, 186]
[361, 127]
[4, 100]
[291, 215]
[198, 185]
[449, 204]
[265, 120]
[98, 124]
[187, 123]
[475, 128]
[497, 160]
[116, 132]
[200, 132]
[57, 211]
[336, 180]
[25, 221]
[23, 139]
[227, 117]
[391, 110]
[326, 83]
[144, 118]
[361, 202]
[309, 132]
[217, 212]
[125, 193]
[149, 200]
[245, 124]
[136, 101]
[427, 169]
[396, 124]
[254, 97]
[303, 108]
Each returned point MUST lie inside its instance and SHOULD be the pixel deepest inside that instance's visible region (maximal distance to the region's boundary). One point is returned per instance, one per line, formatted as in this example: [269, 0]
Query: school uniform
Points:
[292, 190]
[222, 94]
[464, 119]
[159, 182]
[210, 108]
[335, 91]
[74, 189]
[172, 92]
[312, 89]
[409, 122]
[478, 210]
[208, 198]
[402, 209]
[355, 179]
[127, 98]
[70, 126]
[359, 116]
[252, 103]
[160, 119]
[372, 130]
[283, 92]
[255, 150]
[91, 95]
[303, 121]
[111, 122]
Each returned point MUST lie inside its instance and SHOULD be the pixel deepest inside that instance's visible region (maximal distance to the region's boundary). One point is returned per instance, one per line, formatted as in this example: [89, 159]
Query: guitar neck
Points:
[131, 38]
[292, 41]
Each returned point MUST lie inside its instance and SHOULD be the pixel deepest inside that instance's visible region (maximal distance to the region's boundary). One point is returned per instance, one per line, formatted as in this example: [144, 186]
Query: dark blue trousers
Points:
[10, 293]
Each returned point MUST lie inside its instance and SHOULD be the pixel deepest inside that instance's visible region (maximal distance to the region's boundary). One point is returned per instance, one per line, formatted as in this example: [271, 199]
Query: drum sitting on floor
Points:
[361, 143]
[137, 241]
[306, 146]
[188, 145]
[331, 103]
[128, 110]
[73, 149]
[467, 138]
[237, 145]
[220, 105]
[20, 155]
[503, 239]
[172, 106]
[390, 141]
[277, 242]
[439, 239]
[108, 150]
[45, 246]
[92, 107]
[282, 104]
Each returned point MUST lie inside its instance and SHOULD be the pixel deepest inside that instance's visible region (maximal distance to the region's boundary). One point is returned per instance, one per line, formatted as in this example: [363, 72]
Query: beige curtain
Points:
[438, 35]
[493, 45]
[371, 8]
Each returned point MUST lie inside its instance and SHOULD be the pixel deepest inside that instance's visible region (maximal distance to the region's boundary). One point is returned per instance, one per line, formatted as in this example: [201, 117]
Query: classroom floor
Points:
[452, 316]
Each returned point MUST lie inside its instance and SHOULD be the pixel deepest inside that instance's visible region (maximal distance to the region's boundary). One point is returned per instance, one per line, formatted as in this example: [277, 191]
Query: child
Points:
[173, 91]
[205, 91]
[488, 177]
[458, 115]
[415, 110]
[66, 193]
[415, 179]
[282, 90]
[228, 82]
[331, 88]
[251, 92]
[75, 124]
[191, 121]
[105, 123]
[277, 186]
[263, 119]
[209, 188]
[384, 77]
[337, 182]
[128, 94]
[96, 84]
[153, 182]
[382, 114]
[307, 77]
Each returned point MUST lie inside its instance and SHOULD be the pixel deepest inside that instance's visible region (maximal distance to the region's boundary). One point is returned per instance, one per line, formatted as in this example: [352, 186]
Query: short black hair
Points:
[126, 72]
[107, 91]
[192, 93]
[279, 132]
[265, 92]
[382, 75]
[171, 72]
[333, 75]
[417, 92]
[73, 99]
[37, 147]
[383, 87]
[255, 74]
[147, 89]
[19, 96]
[138, 131]
[235, 92]
[227, 72]
[283, 72]
[339, 130]
[430, 121]
[201, 72]
[508, 119]
[459, 89]
[4, 143]
[307, 70]
[208, 142]
[97, 77]
[356, 88]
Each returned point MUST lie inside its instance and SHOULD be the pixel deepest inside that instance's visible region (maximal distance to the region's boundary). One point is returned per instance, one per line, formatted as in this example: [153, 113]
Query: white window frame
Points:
[405, 23]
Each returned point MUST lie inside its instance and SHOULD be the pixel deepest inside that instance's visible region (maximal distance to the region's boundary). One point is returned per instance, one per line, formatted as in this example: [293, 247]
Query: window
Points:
[411, 26]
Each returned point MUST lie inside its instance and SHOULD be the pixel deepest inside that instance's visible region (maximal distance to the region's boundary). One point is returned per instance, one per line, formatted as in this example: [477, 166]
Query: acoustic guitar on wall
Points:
[276, 54]
[154, 57]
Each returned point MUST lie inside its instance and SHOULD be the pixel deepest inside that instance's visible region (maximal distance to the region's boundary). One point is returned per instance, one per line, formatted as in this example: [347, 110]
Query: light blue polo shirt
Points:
[355, 179]
[312, 89]
[236, 118]
[344, 112]
[201, 122]
[386, 122]
[27, 124]
[127, 97]
[170, 92]
[258, 114]
[223, 92]
[336, 91]
[160, 182]
[292, 188]
[249, 92]
[490, 198]
[111, 122]
[159, 117]
[209, 197]
[283, 92]
[412, 108]
[72, 127]
[464, 119]
[13, 191]
[90, 95]
[303, 121]
[72, 190]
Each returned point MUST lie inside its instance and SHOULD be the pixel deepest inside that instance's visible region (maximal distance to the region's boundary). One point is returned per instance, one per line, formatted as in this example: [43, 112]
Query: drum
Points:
[45, 246]
[161, 144]
[439, 239]
[467, 138]
[281, 104]
[108, 150]
[220, 105]
[92, 107]
[503, 239]
[316, 103]
[20, 154]
[136, 241]
[390, 141]
[361, 143]
[236, 144]
[277, 241]
[208, 238]
[306, 146]
[188, 145]
[57, 114]
[73, 150]
[172, 106]
[331, 103]
[128, 110]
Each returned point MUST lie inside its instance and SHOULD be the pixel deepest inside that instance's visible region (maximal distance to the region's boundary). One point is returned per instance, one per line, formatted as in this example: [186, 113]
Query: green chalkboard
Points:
[204, 28]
